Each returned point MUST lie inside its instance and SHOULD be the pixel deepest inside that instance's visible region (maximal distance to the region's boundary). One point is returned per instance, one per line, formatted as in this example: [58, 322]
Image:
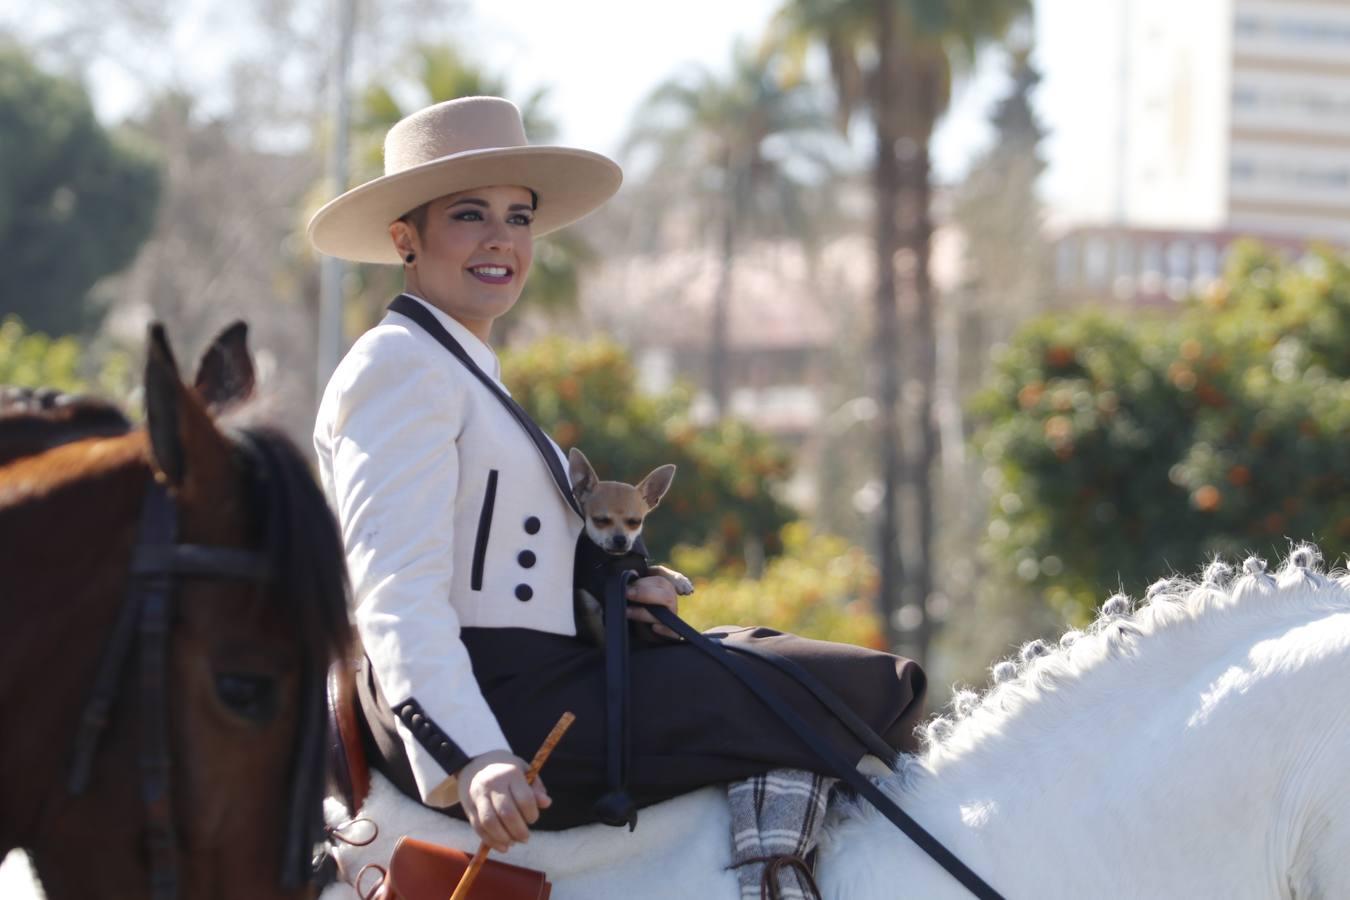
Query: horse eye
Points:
[252, 696]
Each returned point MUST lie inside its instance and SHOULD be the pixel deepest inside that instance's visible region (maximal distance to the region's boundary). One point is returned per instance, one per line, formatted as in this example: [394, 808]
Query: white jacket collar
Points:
[479, 352]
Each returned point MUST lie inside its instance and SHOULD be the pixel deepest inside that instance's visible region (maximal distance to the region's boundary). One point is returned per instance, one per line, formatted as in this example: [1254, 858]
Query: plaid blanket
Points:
[775, 818]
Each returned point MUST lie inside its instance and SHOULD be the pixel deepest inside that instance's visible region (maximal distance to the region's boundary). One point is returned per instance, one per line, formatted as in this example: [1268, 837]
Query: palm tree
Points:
[892, 60]
[440, 73]
[747, 148]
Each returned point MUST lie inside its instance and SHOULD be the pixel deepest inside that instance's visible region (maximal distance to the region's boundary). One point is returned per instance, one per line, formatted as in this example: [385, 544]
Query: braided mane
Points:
[1173, 608]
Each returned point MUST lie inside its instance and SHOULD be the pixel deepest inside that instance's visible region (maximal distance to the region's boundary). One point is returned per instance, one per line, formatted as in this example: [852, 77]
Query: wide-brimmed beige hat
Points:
[454, 146]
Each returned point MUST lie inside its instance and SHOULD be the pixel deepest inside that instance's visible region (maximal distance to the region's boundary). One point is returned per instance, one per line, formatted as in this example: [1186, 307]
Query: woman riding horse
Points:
[461, 530]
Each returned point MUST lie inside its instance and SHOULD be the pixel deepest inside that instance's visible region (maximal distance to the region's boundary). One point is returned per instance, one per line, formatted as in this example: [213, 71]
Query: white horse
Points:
[1195, 748]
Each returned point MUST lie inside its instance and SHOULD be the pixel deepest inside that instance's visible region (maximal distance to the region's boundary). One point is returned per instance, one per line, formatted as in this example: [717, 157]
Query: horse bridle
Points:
[157, 562]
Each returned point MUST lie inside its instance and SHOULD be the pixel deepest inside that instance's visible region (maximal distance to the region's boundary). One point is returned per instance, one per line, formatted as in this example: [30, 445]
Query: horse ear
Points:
[162, 390]
[580, 473]
[225, 376]
[654, 486]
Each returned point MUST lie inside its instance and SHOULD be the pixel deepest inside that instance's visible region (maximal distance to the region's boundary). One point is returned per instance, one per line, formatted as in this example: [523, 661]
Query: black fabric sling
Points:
[407, 306]
[616, 640]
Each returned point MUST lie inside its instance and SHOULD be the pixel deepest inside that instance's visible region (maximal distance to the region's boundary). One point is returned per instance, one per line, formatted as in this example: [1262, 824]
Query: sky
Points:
[600, 58]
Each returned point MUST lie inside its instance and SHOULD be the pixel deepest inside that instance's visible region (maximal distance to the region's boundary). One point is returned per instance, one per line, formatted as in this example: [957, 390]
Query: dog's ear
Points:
[580, 474]
[654, 486]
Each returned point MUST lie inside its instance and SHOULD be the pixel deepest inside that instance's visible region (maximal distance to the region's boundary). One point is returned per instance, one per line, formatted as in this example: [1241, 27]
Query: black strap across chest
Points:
[407, 306]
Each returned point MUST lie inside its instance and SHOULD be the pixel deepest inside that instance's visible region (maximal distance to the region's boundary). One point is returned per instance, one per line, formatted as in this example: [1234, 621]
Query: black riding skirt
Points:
[691, 722]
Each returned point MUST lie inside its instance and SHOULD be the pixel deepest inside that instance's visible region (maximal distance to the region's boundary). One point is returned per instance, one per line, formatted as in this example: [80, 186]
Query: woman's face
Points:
[473, 253]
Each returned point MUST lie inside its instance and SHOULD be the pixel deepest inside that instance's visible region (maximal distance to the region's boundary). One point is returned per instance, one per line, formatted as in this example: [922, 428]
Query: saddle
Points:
[348, 768]
[417, 870]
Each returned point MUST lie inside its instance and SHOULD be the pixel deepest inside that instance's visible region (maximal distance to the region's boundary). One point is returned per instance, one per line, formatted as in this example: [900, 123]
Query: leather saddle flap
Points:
[347, 766]
[422, 871]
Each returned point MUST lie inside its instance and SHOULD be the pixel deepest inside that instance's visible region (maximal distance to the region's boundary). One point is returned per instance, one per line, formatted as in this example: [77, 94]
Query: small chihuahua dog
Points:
[615, 513]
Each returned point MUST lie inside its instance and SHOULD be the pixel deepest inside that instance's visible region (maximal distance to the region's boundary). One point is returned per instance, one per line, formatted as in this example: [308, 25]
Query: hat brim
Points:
[570, 183]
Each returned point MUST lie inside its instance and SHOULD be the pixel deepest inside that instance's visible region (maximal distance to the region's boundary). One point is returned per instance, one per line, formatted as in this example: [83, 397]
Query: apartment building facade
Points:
[1236, 117]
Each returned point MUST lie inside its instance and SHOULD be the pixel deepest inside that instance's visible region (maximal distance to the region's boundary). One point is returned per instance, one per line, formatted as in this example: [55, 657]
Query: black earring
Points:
[410, 257]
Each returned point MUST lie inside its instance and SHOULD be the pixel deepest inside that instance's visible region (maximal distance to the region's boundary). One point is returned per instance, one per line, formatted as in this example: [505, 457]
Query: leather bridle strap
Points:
[835, 761]
[199, 560]
[156, 775]
[146, 613]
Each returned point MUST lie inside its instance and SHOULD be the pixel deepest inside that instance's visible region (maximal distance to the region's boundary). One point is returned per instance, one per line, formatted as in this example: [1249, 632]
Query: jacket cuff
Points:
[436, 742]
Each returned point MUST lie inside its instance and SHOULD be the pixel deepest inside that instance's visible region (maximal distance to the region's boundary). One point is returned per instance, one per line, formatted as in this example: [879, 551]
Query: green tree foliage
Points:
[75, 201]
[724, 496]
[893, 60]
[1007, 257]
[745, 152]
[33, 359]
[722, 501]
[820, 587]
[1123, 447]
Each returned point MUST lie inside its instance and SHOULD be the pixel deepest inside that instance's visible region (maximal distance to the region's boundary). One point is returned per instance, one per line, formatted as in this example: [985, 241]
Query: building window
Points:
[1206, 260]
[1151, 260]
[1097, 262]
[1179, 259]
[1066, 262]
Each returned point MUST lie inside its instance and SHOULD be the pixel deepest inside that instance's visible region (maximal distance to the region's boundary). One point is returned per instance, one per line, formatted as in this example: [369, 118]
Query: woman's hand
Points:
[655, 591]
[498, 802]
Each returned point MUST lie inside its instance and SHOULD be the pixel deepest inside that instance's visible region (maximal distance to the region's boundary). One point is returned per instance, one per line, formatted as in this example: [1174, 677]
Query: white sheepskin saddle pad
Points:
[681, 848]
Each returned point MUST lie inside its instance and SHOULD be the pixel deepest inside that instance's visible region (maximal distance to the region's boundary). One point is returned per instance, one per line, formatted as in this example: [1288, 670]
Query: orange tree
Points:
[1121, 448]
[725, 492]
[723, 500]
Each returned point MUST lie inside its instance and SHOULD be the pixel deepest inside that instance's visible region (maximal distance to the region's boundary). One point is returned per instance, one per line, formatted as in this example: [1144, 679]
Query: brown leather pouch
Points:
[422, 871]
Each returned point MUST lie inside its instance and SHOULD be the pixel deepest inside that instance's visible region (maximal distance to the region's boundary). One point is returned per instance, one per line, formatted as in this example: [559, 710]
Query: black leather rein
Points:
[157, 561]
[835, 762]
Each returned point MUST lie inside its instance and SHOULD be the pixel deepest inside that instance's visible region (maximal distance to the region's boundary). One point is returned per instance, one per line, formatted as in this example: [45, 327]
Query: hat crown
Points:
[455, 126]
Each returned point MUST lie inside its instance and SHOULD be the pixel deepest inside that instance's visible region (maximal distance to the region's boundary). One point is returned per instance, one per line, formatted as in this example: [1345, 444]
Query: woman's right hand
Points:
[498, 802]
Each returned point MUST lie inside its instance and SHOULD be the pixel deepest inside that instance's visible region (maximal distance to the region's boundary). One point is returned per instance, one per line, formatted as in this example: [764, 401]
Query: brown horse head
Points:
[244, 659]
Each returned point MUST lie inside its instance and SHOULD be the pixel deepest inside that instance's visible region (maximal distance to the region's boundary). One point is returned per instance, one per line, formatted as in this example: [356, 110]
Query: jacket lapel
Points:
[406, 306]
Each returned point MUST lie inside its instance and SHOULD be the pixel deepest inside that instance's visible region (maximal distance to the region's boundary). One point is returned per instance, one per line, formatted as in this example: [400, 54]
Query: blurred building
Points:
[1236, 117]
[1149, 266]
[1233, 121]
[792, 322]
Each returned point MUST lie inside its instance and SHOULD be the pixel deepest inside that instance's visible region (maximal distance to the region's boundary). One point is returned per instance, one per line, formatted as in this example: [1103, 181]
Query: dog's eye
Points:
[602, 521]
[632, 523]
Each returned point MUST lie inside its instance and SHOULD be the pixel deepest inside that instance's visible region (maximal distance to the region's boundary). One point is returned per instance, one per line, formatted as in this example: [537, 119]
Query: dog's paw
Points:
[683, 586]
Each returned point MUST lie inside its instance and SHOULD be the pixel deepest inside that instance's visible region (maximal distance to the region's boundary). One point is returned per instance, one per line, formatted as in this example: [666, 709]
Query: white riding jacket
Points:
[450, 518]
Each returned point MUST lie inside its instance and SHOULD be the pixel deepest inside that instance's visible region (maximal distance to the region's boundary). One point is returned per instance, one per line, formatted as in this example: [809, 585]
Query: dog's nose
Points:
[619, 542]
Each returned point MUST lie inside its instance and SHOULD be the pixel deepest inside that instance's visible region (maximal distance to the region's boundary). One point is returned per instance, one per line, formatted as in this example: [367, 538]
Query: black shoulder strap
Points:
[834, 761]
[407, 306]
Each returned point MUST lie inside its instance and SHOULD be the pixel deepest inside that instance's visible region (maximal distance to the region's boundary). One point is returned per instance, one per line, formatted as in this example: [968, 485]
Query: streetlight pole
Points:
[331, 269]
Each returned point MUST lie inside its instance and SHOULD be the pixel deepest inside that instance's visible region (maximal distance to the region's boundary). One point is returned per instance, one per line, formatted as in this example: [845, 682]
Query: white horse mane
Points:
[1041, 674]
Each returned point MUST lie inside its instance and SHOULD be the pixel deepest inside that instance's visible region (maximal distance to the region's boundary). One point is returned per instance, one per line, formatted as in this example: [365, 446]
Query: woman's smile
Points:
[492, 274]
